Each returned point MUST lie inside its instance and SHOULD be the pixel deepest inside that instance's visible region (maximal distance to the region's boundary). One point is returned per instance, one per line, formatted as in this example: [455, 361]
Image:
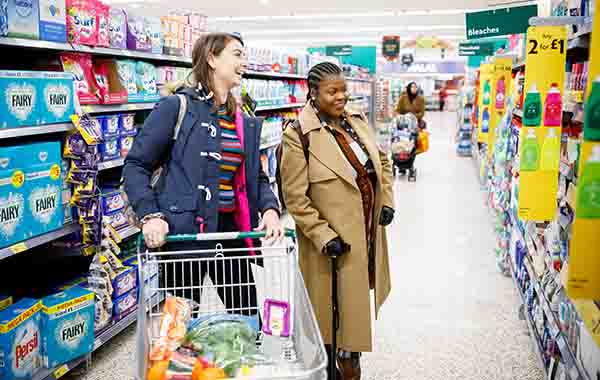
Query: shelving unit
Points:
[107, 108]
[359, 79]
[32, 131]
[128, 232]
[37, 241]
[280, 107]
[111, 164]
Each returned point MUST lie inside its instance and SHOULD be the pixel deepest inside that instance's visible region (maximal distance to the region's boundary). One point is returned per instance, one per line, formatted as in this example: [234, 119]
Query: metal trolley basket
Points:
[275, 274]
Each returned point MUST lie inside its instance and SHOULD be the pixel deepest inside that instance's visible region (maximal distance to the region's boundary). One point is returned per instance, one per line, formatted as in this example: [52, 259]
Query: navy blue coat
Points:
[190, 188]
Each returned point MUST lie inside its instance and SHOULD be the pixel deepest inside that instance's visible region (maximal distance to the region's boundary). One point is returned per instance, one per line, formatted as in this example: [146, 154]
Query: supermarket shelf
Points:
[273, 75]
[57, 46]
[535, 337]
[111, 164]
[280, 107]
[104, 108]
[31, 131]
[37, 241]
[270, 144]
[359, 79]
[128, 232]
[110, 333]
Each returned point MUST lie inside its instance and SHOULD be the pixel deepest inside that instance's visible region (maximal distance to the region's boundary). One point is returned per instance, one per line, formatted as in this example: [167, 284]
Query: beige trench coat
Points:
[324, 200]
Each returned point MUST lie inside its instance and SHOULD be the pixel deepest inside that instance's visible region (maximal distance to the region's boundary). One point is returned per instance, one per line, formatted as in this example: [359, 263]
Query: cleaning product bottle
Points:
[553, 107]
[550, 152]
[532, 108]
[500, 93]
[487, 89]
[485, 121]
[530, 155]
[588, 197]
[591, 129]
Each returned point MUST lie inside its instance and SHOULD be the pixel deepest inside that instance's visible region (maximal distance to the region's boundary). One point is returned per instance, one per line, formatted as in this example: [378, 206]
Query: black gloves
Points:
[336, 248]
[387, 216]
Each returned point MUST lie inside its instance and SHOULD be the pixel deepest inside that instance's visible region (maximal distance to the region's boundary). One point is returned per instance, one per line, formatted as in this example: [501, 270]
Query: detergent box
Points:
[12, 196]
[23, 19]
[125, 304]
[20, 340]
[5, 301]
[44, 187]
[20, 98]
[53, 20]
[56, 94]
[67, 325]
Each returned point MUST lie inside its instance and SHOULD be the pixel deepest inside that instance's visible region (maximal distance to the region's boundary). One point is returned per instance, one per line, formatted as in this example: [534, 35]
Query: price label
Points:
[61, 371]
[18, 248]
[55, 172]
[18, 178]
[547, 43]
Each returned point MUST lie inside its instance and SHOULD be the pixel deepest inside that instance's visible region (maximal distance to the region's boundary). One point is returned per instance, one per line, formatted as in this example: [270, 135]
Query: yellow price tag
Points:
[18, 179]
[61, 371]
[18, 248]
[55, 172]
[577, 96]
[86, 109]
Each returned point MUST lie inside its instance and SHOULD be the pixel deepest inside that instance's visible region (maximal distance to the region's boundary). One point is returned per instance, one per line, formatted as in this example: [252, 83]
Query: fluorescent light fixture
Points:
[333, 16]
[433, 27]
[365, 29]
[240, 19]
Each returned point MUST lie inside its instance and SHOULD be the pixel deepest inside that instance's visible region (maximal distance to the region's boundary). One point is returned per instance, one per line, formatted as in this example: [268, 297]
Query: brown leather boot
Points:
[349, 364]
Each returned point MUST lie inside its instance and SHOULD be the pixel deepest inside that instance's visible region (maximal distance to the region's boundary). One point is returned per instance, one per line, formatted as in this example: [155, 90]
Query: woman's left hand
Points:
[271, 224]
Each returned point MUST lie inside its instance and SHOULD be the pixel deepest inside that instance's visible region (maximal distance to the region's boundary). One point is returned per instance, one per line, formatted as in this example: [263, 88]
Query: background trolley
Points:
[292, 350]
[404, 145]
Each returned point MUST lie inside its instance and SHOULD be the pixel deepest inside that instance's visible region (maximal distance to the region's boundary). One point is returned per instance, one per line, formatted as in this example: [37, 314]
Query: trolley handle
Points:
[218, 236]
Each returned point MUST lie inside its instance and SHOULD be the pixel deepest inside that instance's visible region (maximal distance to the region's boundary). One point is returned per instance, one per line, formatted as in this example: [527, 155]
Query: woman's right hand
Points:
[155, 231]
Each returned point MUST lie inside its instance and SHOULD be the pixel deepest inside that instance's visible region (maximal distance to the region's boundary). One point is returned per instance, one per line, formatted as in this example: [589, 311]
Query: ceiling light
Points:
[433, 27]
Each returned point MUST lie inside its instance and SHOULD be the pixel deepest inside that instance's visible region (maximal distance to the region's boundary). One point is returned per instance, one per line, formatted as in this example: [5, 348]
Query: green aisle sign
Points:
[499, 22]
[480, 49]
[338, 50]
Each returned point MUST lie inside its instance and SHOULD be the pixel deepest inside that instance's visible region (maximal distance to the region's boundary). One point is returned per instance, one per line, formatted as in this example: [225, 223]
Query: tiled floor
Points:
[451, 315]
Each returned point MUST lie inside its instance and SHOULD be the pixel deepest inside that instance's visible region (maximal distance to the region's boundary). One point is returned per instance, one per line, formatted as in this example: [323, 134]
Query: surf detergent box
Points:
[20, 98]
[67, 326]
[20, 340]
[53, 20]
[23, 19]
[44, 187]
[56, 93]
[12, 196]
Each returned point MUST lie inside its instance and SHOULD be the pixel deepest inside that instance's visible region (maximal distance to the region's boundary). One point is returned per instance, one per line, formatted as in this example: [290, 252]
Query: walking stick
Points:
[335, 320]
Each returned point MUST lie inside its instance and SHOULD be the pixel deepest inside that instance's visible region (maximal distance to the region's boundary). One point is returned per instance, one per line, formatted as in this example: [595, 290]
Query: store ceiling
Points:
[316, 22]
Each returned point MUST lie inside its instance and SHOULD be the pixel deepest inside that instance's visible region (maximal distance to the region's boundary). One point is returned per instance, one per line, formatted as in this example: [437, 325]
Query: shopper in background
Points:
[211, 179]
[412, 102]
[341, 199]
[443, 94]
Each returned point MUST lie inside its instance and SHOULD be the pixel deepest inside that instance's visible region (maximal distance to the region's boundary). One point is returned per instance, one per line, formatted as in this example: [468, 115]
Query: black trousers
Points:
[232, 278]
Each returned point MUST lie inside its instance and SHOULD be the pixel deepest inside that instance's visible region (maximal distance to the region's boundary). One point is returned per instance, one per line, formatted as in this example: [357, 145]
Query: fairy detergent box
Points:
[20, 340]
[67, 326]
[44, 187]
[53, 20]
[12, 196]
[56, 92]
[19, 105]
[23, 19]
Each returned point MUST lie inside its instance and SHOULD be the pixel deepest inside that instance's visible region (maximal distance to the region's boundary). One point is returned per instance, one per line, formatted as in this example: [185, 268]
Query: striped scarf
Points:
[233, 157]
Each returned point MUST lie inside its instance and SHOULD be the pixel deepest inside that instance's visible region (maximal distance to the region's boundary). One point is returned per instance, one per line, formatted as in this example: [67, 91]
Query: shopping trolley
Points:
[272, 270]
[404, 145]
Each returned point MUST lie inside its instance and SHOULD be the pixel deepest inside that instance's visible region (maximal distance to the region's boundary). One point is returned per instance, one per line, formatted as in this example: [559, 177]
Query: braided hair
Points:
[318, 72]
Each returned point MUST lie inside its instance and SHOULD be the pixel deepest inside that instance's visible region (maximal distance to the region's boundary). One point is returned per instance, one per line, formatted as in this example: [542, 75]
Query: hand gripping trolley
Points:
[271, 271]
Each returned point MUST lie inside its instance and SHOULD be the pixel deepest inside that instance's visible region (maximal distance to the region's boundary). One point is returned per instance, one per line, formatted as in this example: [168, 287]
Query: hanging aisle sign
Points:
[499, 22]
[584, 253]
[479, 49]
[501, 84]
[485, 101]
[539, 140]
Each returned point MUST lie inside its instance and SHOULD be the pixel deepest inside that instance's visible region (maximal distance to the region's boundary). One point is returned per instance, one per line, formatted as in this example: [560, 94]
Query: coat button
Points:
[173, 208]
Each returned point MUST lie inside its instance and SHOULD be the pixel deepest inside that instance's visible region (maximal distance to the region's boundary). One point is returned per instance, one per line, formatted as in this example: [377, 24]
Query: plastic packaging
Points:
[177, 313]
[532, 107]
[102, 27]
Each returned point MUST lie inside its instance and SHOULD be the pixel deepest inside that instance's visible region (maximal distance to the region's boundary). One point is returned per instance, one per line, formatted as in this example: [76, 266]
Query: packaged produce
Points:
[177, 312]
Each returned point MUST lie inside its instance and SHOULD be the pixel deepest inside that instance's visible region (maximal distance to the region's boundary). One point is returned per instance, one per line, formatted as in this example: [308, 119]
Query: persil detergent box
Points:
[57, 90]
[20, 340]
[19, 94]
[23, 19]
[12, 196]
[67, 326]
[53, 20]
[44, 187]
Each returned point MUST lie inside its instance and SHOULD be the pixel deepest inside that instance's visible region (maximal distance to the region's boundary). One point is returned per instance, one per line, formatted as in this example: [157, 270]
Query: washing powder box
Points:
[53, 20]
[20, 95]
[12, 197]
[67, 326]
[56, 92]
[23, 19]
[44, 187]
[20, 340]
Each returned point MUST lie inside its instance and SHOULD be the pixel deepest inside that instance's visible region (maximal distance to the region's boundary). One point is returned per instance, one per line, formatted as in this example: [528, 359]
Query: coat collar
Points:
[309, 121]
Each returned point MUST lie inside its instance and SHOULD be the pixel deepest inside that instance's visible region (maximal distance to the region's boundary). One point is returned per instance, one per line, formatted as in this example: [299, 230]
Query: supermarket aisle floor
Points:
[451, 315]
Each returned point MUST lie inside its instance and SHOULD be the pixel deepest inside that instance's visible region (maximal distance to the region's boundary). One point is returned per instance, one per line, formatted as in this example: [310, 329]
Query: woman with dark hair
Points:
[412, 102]
[340, 196]
[212, 179]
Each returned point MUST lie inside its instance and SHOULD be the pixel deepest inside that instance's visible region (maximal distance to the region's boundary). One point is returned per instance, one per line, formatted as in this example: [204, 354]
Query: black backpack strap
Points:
[303, 138]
